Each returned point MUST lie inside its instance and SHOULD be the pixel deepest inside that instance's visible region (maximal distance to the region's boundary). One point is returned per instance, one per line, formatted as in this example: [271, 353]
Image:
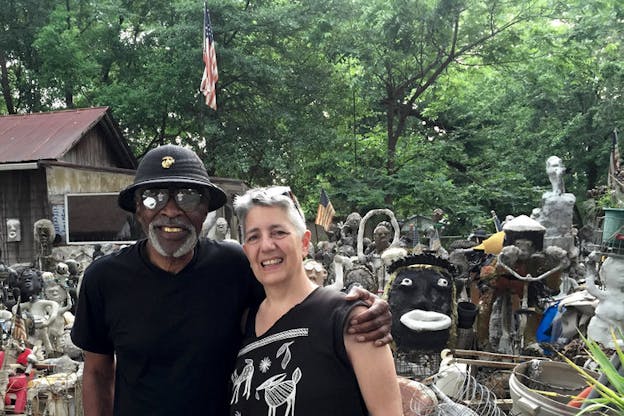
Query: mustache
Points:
[172, 222]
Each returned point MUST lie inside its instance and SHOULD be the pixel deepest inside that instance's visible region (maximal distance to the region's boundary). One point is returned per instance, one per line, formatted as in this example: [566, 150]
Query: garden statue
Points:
[421, 298]
[40, 314]
[28, 281]
[346, 245]
[74, 269]
[340, 263]
[44, 235]
[381, 241]
[555, 170]
[526, 271]
[556, 215]
[360, 275]
[609, 314]
[324, 254]
[7, 275]
[350, 272]
[61, 272]
[221, 229]
[382, 237]
[208, 224]
[315, 271]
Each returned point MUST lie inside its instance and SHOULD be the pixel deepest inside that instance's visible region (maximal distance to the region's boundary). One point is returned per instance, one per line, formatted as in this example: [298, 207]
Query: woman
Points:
[297, 356]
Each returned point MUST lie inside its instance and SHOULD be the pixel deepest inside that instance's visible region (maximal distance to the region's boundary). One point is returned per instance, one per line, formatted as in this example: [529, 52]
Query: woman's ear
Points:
[305, 240]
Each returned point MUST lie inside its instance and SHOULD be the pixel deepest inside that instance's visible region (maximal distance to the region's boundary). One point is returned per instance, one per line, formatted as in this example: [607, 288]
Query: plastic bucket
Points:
[612, 225]
[466, 314]
[551, 376]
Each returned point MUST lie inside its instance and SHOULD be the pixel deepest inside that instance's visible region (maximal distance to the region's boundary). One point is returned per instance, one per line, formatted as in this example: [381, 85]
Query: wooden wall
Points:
[23, 195]
[92, 150]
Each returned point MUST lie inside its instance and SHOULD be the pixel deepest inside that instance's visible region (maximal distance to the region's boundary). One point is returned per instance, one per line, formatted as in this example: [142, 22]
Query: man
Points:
[159, 321]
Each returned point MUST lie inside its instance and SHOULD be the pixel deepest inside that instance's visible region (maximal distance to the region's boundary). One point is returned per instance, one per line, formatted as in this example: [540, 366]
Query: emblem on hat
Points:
[167, 162]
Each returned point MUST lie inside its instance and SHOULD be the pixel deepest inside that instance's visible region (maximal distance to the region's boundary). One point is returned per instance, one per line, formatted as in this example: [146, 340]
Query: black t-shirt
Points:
[175, 337]
[300, 365]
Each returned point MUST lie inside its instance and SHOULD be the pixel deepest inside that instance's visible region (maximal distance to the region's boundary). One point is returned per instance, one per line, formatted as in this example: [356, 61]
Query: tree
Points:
[405, 47]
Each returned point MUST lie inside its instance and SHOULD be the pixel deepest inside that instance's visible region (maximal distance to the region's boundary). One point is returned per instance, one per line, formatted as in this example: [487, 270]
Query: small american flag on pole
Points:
[325, 212]
[211, 75]
[19, 327]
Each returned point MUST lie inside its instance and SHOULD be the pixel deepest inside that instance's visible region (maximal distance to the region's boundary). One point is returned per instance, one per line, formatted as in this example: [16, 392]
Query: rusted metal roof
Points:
[46, 136]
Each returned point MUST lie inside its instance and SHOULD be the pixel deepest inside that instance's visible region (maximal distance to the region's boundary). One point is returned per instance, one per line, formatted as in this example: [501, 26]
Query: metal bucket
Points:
[554, 377]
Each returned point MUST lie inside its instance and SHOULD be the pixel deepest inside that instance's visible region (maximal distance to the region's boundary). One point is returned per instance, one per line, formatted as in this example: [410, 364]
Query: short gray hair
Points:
[275, 196]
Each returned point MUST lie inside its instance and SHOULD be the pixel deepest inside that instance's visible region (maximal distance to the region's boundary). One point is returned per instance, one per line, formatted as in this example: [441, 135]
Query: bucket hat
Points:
[171, 164]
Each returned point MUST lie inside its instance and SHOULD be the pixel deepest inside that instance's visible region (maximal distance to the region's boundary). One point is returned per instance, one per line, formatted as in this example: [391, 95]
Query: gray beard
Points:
[186, 247]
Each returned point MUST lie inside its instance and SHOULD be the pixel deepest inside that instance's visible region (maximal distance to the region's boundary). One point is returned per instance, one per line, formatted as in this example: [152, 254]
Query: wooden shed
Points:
[46, 158]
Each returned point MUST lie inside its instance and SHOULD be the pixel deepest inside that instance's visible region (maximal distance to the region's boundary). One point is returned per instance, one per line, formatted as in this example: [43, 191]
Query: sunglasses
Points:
[286, 191]
[155, 199]
[313, 266]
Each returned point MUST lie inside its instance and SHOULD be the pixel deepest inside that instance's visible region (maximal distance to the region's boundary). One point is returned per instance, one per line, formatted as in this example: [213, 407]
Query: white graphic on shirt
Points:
[245, 377]
[291, 333]
[278, 392]
[265, 364]
[284, 349]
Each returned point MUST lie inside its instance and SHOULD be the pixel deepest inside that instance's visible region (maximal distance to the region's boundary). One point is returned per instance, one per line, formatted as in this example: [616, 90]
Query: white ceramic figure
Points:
[609, 313]
[555, 171]
[315, 271]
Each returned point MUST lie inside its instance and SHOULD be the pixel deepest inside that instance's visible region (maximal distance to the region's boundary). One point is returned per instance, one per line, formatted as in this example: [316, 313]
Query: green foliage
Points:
[404, 104]
[611, 399]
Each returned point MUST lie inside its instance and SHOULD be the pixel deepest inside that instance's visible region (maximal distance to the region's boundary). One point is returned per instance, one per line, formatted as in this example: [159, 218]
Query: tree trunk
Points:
[6, 88]
[390, 151]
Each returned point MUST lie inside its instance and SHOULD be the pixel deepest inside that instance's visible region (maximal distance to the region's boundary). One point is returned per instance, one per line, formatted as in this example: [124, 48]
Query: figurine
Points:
[609, 314]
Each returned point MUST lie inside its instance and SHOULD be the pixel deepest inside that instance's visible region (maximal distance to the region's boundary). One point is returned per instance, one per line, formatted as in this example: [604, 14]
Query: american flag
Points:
[19, 327]
[211, 75]
[325, 212]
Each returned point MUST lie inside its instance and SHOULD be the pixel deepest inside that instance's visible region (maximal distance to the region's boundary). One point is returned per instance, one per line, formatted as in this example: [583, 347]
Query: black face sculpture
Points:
[420, 300]
[29, 282]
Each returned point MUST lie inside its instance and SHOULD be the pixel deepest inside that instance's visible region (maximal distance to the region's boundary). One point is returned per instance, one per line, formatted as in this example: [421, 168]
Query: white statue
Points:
[609, 314]
[221, 229]
[555, 170]
[48, 317]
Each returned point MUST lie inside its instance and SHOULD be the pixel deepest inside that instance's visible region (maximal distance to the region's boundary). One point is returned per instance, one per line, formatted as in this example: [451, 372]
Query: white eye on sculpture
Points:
[406, 282]
[443, 282]
[149, 202]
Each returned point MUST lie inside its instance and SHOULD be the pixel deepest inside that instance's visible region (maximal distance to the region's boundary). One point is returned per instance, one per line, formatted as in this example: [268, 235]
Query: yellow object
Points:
[492, 244]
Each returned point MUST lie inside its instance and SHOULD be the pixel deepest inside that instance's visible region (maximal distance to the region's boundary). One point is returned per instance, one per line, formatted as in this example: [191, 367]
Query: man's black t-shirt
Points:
[175, 337]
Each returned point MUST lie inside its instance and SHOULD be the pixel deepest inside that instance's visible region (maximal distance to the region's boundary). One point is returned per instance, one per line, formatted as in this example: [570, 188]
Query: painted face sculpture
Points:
[381, 236]
[420, 300]
[29, 282]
